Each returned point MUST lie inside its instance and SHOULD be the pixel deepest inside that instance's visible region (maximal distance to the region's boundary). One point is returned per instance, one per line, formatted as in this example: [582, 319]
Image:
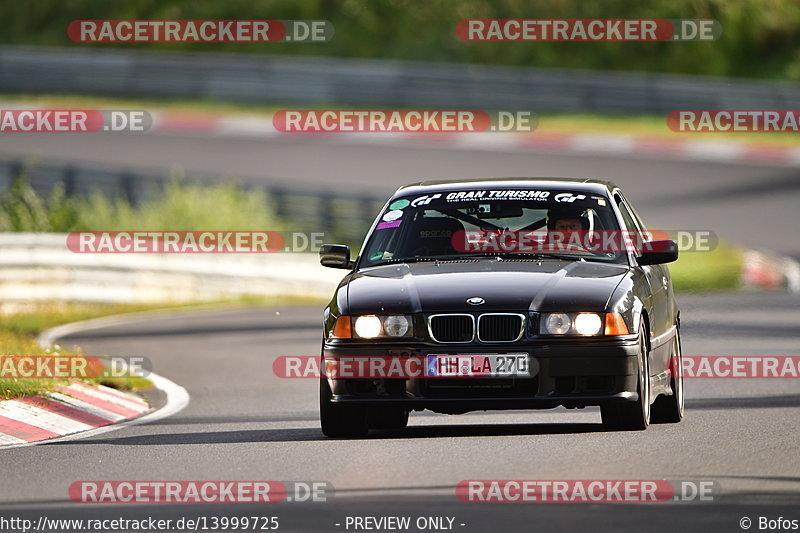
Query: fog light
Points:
[368, 326]
[588, 324]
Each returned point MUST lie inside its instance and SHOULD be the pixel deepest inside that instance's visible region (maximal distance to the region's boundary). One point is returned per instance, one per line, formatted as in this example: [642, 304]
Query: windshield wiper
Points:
[425, 258]
[479, 255]
[499, 256]
[531, 255]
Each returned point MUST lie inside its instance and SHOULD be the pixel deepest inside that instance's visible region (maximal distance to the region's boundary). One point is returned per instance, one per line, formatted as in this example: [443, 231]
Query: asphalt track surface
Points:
[245, 423]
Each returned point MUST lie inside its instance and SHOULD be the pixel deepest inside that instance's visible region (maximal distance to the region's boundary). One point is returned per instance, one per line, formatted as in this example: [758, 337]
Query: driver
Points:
[567, 227]
[567, 219]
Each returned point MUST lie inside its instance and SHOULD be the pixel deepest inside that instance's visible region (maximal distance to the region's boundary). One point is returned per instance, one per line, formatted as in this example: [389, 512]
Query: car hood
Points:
[506, 285]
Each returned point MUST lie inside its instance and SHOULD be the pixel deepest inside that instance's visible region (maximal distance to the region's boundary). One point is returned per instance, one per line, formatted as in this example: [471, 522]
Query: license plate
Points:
[477, 365]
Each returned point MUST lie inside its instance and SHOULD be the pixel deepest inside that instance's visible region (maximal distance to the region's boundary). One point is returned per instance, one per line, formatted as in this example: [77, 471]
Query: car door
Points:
[658, 283]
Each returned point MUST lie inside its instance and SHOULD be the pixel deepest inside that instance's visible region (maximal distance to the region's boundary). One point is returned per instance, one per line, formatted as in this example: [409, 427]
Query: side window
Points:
[634, 214]
[627, 217]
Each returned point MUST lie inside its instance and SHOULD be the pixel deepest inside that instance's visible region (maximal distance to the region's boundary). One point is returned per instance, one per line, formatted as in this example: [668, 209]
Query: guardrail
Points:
[343, 218]
[38, 267]
[326, 81]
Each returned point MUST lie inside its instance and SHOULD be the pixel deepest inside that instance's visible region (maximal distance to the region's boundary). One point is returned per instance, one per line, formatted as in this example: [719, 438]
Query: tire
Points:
[387, 418]
[669, 409]
[342, 421]
[632, 416]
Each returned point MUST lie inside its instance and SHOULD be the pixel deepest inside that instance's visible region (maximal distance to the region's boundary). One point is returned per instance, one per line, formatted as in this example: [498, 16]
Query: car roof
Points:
[588, 185]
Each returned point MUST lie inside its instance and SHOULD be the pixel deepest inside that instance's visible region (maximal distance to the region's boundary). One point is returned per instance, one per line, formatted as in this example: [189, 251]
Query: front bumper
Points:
[567, 372]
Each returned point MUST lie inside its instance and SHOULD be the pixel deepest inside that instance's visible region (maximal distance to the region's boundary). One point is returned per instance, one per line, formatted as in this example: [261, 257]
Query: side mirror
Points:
[658, 252]
[335, 256]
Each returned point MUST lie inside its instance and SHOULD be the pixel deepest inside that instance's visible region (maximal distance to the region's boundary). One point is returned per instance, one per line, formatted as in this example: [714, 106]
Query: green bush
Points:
[179, 207]
[22, 209]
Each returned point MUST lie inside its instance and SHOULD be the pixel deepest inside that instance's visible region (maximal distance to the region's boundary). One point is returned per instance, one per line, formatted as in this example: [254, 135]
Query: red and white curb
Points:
[688, 147]
[79, 410]
[71, 409]
[762, 270]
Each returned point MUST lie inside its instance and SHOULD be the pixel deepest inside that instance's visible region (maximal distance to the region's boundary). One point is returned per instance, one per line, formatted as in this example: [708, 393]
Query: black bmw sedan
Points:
[502, 294]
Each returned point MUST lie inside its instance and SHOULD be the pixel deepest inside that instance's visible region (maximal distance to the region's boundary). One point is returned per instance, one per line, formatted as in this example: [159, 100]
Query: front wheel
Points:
[669, 409]
[344, 421]
[632, 416]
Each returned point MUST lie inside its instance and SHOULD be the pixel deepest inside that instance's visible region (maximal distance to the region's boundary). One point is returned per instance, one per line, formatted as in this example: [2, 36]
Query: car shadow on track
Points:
[412, 432]
[234, 419]
[315, 434]
[488, 430]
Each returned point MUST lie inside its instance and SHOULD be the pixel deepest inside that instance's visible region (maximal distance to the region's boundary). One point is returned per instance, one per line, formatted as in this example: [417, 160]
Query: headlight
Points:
[368, 326]
[571, 324]
[373, 326]
[396, 325]
[588, 324]
[557, 324]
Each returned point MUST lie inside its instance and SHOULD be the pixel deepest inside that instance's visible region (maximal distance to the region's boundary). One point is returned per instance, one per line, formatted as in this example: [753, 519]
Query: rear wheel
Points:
[387, 418]
[340, 420]
[632, 416]
[669, 409]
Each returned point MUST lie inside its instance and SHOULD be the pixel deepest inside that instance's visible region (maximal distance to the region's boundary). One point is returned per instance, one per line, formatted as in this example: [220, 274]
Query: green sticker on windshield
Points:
[399, 204]
[376, 256]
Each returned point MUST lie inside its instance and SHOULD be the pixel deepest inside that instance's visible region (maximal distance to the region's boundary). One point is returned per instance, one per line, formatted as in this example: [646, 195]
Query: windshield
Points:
[504, 223]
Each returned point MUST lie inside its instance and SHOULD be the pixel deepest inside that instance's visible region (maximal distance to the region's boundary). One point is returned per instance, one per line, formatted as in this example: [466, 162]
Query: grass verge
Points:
[718, 269]
[18, 338]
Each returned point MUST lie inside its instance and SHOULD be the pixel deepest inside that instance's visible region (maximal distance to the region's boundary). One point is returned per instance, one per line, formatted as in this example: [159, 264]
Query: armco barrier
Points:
[323, 81]
[39, 267]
